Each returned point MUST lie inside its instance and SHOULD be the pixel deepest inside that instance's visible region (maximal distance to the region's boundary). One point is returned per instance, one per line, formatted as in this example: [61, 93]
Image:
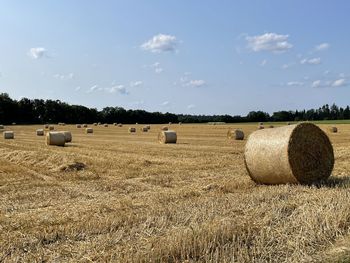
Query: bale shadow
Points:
[333, 182]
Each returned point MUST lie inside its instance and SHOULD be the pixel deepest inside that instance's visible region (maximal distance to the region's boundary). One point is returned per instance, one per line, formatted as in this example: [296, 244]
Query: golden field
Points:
[112, 196]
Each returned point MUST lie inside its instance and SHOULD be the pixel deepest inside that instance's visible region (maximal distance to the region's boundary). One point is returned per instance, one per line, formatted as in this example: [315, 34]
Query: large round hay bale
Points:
[46, 126]
[132, 129]
[2, 127]
[8, 135]
[78, 126]
[55, 138]
[51, 128]
[144, 129]
[236, 134]
[167, 137]
[40, 132]
[164, 128]
[89, 130]
[300, 153]
[334, 129]
[67, 136]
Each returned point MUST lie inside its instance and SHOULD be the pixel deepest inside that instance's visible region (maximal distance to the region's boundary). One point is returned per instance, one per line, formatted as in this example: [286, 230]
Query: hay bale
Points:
[132, 129]
[46, 126]
[167, 137]
[99, 123]
[288, 123]
[261, 123]
[120, 125]
[2, 127]
[55, 138]
[115, 124]
[271, 126]
[95, 123]
[170, 123]
[300, 153]
[85, 125]
[40, 132]
[334, 129]
[8, 135]
[148, 127]
[13, 123]
[180, 123]
[89, 130]
[260, 127]
[78, 126]
[236, 134]
[51, 128]
[67, 136]
[144, 129]
[164, 128]
[105, 125]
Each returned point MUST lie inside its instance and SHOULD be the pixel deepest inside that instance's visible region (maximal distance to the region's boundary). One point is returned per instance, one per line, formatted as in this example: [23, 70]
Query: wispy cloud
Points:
[269, 42]
[165, 103]
[263, 63]
[37, 52]
[295, 83]
[191, 106]
[316, 84]
[339, 83]
[311, 61]
[136, 83]
[161, 43]
[322, 46]
[63, 76]
[118, 88]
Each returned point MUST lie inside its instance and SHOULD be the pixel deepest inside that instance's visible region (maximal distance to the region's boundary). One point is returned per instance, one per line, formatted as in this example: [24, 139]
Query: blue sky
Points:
[198, 57]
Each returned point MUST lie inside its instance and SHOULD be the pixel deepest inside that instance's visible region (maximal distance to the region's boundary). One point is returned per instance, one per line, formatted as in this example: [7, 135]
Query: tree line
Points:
[39, 111]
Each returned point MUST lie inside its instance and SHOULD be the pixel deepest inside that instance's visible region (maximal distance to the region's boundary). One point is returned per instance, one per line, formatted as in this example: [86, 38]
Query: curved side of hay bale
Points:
[55, 138]
[167, 137]
[299, 153]
[40, 132]
[67, 136]
[334, 129]
[164, 128]
[89, 130]
[132, 129]
[236, 134]
[8, 135]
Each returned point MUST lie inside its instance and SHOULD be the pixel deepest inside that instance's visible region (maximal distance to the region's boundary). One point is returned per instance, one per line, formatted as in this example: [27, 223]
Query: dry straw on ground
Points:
[55, 138]
[291, 154]
[167, 137]
[40, 132]
[89, 130]
[236, 134]
[8, 135]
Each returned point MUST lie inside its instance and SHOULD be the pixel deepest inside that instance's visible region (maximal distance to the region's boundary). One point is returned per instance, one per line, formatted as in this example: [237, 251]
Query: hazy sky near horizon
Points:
[193, 56]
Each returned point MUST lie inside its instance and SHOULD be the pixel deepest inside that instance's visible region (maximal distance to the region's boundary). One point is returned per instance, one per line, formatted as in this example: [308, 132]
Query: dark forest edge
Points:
[38, 111]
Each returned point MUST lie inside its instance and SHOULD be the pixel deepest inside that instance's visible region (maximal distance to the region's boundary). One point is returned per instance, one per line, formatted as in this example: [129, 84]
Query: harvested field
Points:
[119, 197]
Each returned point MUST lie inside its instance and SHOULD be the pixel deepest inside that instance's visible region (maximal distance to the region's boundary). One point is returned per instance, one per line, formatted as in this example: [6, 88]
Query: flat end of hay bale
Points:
[165, 137]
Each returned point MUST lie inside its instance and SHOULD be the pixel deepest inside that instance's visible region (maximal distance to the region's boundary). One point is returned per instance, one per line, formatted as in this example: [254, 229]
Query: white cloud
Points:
[311, 61]
[160, 43]
[196, 83]
[321, 47]
[63, 77]
[191, 106]
[136, 83]
[285, 66]
[37, 52]
[339, 83]
[263, 63]
[316, 84]
[158, 70]
[295, 83]
[94, 88]
[118, 88]
[269, 42]
[165, 103]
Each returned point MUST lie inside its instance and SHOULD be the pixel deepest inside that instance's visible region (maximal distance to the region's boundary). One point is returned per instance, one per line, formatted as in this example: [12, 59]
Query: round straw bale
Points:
[99, 123]
[164, 128]
[261, 123]
[120, 125]
[288, 123]
[85, 125]
[180, 123]
[300, 153]
[13, 123]
[8, 135]
[89, 130]
[167, 137]
[51, 127]
[115, 124]
[95, 124]
[271, 126]
[40, 132]
[132, 129]
[260, 127]
[170, 123]
[148, 127]
[136, 123]
[55, 138]
[46, 126]
[78, 126]
[105, 125]
[144, 129]
[334, 129]
[236, 134]
[2, 127]
[68, 136]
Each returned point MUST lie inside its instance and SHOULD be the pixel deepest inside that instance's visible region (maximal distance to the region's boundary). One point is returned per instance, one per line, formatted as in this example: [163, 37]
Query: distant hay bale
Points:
[180, 123]
[55, 138]
[120, 125]
[261, 123]
[132, 129]
[78, 126]
[40, 132]
[46, 126]
[271, 126]
[288, 123]
[167, 137]
[300, 153]
[144, 129]
[334, 129]
[13, 123]
[236, 134]
[136, 123]
[68, 136]
[85, 125]
[51, 127]
[115, 124]
[89, 130]
[99, 123]
[2, 127]
[148, 127]
[170, 123]
[164, 128]
[260, 127]
[95, 124]
[8, 135]
[105, 125]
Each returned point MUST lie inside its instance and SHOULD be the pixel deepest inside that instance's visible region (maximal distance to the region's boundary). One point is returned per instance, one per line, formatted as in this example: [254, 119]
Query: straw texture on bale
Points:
[164, 128]
[89, 130]
[40, 132]
[334, 129]
[132, 129]
[2, 127]
[236, 134]
[300, 153]
[167, 137]
[67, 136]
[51, 127]
[55, 138]
[144, 129]
[9, 135]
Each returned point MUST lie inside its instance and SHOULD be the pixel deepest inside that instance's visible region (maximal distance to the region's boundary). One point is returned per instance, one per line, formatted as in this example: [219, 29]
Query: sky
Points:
[183, 56]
